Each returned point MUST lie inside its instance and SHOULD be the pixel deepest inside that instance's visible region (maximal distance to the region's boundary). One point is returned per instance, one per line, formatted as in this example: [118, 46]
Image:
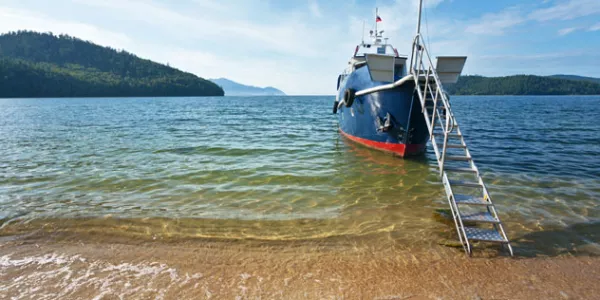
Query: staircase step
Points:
[464, 183]
[438, 107]
[461, 170]
[470, 200]
[450, 135]
[437, 114]
[453, 146]
[484, 217]
[484, 235]
[461, 158]
[429, 105]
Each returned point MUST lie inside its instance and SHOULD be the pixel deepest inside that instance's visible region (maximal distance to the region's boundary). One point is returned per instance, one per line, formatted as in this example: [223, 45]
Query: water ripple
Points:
[272, 160]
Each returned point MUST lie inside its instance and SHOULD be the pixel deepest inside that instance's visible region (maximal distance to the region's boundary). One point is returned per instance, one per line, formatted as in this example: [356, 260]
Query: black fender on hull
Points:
[349, 95]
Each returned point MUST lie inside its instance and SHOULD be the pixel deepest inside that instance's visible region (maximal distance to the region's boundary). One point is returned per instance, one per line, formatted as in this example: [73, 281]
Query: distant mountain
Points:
[44, 65]
[577, 78]
[233, 88]
[521, 85]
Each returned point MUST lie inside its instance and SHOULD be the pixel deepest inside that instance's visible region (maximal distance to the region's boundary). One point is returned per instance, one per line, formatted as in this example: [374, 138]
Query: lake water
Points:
[275, 169]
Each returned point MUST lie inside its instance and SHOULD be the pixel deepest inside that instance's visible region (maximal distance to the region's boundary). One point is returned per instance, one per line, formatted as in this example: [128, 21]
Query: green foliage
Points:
[43, 65]
[578, 78]
[521, 85]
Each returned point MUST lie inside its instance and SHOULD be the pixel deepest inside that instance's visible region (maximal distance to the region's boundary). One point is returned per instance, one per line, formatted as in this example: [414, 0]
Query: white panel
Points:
[450, 67]
[381, 67]
[384, 76]
[448, 77]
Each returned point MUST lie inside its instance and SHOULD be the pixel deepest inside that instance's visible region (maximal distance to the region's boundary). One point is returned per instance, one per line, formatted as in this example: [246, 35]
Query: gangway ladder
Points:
[473, 211]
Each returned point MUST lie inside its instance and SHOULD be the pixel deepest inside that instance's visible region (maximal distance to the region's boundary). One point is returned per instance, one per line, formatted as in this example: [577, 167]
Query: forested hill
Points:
[521, 85]
[44, 65]
[578, 78]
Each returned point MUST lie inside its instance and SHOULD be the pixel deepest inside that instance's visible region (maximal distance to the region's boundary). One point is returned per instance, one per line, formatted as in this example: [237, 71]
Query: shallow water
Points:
[274, 169]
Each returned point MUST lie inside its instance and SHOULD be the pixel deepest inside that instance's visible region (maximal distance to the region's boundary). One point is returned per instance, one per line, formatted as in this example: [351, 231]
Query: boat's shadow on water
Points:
[581, 239]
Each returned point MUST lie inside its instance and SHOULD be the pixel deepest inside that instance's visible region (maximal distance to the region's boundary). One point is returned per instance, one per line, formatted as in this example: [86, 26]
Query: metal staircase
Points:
[473, 211]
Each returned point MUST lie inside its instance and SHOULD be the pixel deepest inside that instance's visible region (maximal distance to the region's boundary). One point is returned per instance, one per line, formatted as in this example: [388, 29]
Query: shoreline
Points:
[290, 96]
[41, 265]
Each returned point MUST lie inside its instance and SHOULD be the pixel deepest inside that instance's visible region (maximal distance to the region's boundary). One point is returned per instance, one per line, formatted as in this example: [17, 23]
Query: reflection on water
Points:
[268, 169]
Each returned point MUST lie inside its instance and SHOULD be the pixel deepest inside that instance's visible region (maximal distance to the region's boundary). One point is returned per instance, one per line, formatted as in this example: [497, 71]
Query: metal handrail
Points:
[419, 49]
[424, 49]
[421, 64]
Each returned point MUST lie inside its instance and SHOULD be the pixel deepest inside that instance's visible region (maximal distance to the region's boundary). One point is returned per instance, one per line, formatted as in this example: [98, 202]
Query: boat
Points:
[376, 100]
[388, 102]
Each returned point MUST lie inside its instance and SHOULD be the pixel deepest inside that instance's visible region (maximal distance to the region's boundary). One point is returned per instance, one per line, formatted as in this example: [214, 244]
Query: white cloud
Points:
[534, 56]
[254, 42]
[567, 10]
[16, 19]
[219, 26]
[242, 40]
[427, 3]
[315, 10]
[233, 45]
[566, 31]
[496, 23]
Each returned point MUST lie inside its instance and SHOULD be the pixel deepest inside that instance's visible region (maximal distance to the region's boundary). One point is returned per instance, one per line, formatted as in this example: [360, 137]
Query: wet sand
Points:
[77, 267]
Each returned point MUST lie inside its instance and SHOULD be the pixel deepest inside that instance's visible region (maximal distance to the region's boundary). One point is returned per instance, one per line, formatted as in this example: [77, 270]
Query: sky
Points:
[301, 46]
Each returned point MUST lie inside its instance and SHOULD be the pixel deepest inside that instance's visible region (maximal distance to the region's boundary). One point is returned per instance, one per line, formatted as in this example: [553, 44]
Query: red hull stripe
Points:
[399, 149]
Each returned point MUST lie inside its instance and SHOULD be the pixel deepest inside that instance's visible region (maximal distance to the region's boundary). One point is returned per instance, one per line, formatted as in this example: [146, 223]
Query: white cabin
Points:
[383, 60]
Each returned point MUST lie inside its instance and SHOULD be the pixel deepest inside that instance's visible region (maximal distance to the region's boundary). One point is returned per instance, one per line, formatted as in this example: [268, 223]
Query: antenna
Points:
[363, 33]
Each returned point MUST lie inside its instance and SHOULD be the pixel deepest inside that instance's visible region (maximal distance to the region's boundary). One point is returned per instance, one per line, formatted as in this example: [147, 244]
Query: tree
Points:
[43, 65]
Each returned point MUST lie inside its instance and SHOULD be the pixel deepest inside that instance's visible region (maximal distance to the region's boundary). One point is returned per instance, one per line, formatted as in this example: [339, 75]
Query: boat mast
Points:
[419, 21]
[376, 14]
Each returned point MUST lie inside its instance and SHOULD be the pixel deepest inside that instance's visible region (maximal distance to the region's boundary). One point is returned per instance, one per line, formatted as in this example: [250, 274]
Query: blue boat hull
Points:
[399, 108]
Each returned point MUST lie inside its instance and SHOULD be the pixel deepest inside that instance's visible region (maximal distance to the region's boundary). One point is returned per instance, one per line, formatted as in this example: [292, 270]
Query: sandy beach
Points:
[74, 267]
